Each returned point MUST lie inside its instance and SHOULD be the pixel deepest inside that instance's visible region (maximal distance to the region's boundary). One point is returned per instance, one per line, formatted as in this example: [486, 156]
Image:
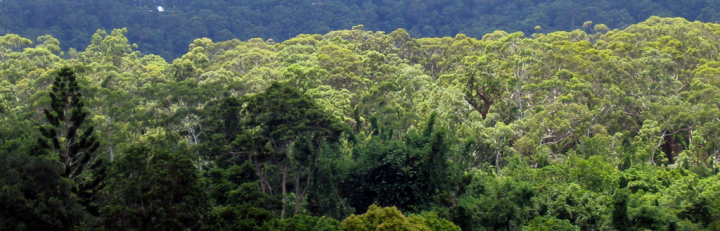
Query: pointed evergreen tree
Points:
[70, 138]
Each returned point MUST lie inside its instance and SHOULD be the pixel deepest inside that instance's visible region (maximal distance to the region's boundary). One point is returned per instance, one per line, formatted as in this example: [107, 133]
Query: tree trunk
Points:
[197, 155]
[497, 162]
[260, 176]
[284, 190]
[519, 97]
[298, 195]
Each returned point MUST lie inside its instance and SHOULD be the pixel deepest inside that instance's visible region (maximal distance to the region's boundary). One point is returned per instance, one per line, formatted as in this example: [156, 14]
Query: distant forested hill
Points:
[167, 33]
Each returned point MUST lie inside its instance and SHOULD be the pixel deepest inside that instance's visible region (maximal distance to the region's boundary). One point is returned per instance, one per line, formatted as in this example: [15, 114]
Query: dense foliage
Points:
[166, 31]
[362, 130]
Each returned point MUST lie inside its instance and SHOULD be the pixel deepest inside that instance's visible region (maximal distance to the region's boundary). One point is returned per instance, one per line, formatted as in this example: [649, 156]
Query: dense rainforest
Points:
[165, 27]
[592, 129]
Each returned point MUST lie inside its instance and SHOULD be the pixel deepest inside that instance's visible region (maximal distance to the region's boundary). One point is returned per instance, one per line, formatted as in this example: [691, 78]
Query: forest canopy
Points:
[165, 27]
[591, 129]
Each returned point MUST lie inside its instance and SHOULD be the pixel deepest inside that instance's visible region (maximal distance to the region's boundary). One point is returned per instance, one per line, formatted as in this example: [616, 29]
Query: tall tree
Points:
[285, 127]
[484, 85]
[70, 138]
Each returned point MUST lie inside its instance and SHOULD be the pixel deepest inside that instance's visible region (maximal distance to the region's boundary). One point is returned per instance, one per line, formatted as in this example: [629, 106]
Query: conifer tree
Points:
[70, 138]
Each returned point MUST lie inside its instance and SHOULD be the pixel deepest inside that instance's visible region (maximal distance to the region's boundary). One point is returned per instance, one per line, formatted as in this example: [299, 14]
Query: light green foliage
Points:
[547, 224]
[573, 204]
[432, 221]
[551, 223]
[308, 223]
[378, 218]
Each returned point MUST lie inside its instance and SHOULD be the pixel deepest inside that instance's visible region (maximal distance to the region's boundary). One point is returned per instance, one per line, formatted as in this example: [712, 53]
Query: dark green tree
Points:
[223, 126]
[247, 208]
[619, 207]
[286, 129]
[154, 190]
[238, 202]
[406, 173]
[70, 138]
[493, 203]
[33, 192]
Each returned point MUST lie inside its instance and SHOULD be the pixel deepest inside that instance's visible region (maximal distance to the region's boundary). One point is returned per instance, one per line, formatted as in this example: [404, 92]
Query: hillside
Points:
[167, 30]
[608, 130]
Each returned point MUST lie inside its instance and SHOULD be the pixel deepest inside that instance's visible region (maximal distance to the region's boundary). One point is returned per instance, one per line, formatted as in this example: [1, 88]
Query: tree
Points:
[238, 201]
[408, 173]
[72, 138]
[154, 189]
[285, 127]
[73, 145]
[492, 202]
[550, 223]
[222, 128]
[377, 218]
[484, 85]
[498, 137]
[35, 196]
